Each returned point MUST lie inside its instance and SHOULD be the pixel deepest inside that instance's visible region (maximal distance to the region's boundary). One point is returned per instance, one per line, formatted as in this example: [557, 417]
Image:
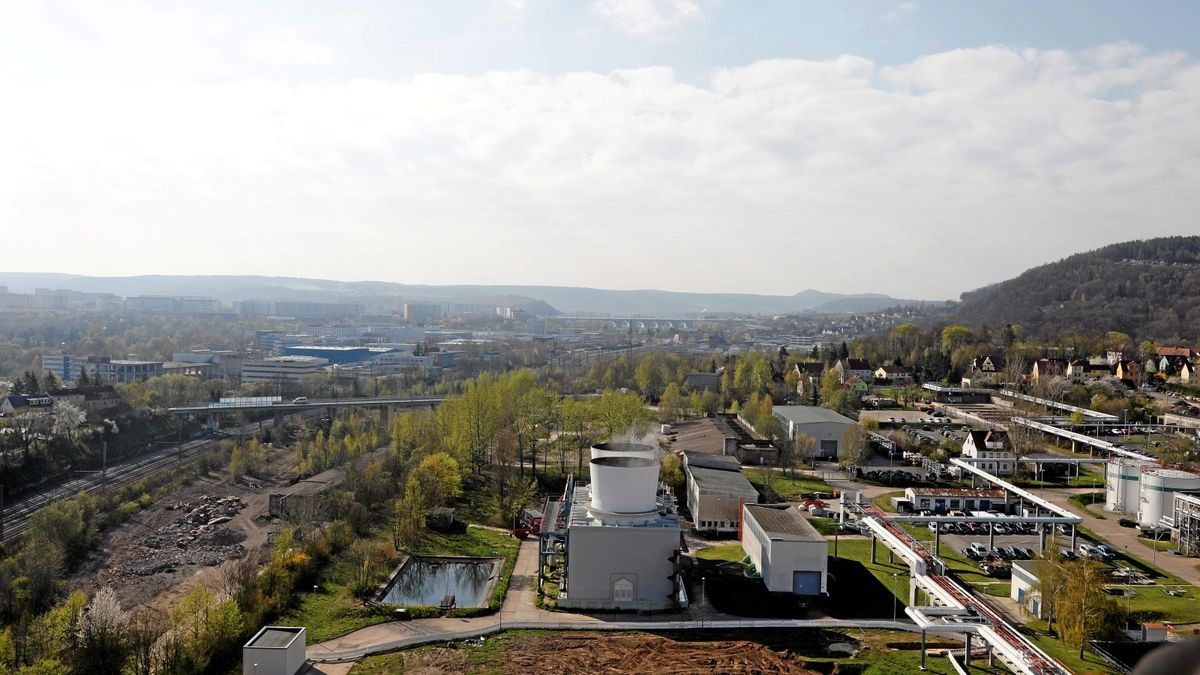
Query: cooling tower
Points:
[623, 449]
[624, 485]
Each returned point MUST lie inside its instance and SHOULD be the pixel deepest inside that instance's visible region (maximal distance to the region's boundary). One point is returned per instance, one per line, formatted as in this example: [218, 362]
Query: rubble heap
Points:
[199, 537]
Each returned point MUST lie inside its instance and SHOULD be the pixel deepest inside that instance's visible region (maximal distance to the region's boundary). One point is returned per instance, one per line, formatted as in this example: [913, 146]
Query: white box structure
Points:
[274, 650]
[785, 549]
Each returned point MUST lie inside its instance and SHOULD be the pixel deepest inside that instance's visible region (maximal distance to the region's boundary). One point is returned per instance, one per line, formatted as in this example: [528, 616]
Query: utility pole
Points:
[104, 469]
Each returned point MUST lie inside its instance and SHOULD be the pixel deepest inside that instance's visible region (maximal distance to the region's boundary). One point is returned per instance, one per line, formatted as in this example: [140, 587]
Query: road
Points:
[16, 517]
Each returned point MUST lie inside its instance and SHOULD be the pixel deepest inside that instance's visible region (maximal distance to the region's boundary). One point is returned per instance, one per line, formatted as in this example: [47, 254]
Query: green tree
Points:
[671, 404]
[954, 336]
[439, 478]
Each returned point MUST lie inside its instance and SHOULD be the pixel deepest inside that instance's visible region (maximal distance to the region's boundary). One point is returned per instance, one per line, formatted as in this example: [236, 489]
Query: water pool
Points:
[433, 581]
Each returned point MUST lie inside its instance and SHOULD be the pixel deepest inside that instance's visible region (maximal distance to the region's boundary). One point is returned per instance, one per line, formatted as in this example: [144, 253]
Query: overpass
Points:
[279, 408]
[1059, 405]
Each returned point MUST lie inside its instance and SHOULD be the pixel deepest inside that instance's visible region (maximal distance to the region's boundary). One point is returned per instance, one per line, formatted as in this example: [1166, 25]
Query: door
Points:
[806, 583]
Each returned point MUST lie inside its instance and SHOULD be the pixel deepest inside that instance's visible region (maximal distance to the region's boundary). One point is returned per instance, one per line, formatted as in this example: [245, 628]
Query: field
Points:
[874, 653]
[789, 488]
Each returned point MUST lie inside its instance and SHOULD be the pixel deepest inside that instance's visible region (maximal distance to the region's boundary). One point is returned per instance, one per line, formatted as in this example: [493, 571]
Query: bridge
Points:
[279, 408]
[1059, 405]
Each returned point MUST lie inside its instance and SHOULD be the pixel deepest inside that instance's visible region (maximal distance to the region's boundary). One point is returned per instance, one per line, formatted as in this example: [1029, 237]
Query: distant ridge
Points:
[1146, 288]
[537, 299]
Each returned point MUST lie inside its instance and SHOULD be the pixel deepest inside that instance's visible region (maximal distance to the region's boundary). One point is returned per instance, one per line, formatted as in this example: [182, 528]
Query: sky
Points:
[917, 148]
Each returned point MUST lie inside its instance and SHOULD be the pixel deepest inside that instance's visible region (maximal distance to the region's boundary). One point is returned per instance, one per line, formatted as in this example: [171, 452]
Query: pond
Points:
[429, 581]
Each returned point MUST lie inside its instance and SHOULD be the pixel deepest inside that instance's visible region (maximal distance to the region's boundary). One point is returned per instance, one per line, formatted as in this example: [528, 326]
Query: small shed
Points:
[274, 650]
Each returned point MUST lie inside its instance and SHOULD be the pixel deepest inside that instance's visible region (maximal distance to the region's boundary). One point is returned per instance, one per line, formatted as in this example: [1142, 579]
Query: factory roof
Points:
[956, 492]
[782, 523]
[720, 480]
[275, 637]
[581, 515]
[807, 414]
[711, 461]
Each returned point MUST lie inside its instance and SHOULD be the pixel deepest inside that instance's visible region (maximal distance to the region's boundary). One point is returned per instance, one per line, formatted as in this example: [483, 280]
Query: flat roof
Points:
[805, 414]
[720, 479]
[710, 460]
[783, 523]
[957, 492]
[275, 637]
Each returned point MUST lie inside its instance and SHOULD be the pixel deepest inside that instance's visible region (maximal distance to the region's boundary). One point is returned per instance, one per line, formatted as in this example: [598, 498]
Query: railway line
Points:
[17, 516]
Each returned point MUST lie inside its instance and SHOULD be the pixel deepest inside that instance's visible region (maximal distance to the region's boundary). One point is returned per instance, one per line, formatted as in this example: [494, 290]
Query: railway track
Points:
[17, 517]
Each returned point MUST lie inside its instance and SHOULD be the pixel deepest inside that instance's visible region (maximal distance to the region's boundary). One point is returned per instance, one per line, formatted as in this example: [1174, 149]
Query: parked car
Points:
[980, 549]
[970, 553]
[1105, 551]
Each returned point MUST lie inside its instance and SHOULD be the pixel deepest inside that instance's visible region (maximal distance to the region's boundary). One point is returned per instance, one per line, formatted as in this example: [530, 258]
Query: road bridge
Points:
[1059, 405]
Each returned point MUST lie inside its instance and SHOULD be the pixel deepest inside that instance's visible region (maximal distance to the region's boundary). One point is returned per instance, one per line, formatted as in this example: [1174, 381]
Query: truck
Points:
[529, 522]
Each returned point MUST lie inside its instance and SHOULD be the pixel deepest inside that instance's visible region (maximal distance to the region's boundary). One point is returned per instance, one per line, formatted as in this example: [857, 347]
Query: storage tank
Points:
[623, 449]
[1158, 493]
[1122, 483]
[624, 485]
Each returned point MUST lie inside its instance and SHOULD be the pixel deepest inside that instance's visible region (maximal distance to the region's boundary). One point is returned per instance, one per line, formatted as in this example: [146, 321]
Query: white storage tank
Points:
[1122, 484]
[623, 449]
[624, 485]
[1158, 493]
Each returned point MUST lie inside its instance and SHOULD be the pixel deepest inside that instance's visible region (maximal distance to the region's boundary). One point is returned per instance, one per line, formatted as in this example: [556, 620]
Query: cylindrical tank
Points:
[624, 485]
[1158, 492]
[1122, 482]
[623, 449]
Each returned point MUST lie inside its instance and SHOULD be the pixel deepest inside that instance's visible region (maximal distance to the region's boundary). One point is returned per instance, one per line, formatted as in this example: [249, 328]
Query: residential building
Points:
[126, 371]
[1047, 368]
[95, 400]
[785, 549]
[823, 424]
[993, 446]
[716, 490]
[985, 371]
[1082, 370]
[282, 369]
[848, 368]
[1130, 371]
[893, 375]
[1188, 375]
[17, 404]
[858, 386]
[809, 381]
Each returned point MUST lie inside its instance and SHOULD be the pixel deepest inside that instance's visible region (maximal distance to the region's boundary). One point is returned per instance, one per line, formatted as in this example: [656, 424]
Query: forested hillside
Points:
[1147, 289]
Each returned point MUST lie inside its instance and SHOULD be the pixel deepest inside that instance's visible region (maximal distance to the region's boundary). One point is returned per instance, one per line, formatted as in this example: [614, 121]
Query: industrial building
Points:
[943, 499]
[823, 424]
[716, 491]
[334, 355]
[785, 549]
[1026, 584]
[274, 650]
[1142, 487]
[124, 372]
[1187, 524]
[304, 495]
[618, 538]
[281, 369]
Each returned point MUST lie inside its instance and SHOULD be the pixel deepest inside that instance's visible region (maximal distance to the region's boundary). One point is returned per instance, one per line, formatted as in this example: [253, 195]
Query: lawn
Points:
[826, 526]
[1153, 603]
[893, 575]
[730, 552]
[788, 487]
[1090, 663]
[884, 501]
[1090, 502]
[334, 611]
[1086, 479]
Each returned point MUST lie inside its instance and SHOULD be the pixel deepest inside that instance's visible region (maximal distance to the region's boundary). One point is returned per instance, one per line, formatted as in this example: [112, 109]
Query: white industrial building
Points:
[274, 650]
[823, 424]
[1143, 488]
[716, 490]
[785, 549]
[1187, 524]
[282, 369]
[1026, 590]
[622, 536]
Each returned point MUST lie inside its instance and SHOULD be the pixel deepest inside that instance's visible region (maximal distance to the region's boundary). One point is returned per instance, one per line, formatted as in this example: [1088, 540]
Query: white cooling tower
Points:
[624, 485]
[623, 449]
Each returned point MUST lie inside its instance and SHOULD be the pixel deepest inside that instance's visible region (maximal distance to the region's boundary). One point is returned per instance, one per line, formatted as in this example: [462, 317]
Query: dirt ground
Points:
[142, 575]
[593, 653]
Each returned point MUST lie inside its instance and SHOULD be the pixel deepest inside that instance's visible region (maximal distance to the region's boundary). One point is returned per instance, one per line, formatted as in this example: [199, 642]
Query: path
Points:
[519, 611]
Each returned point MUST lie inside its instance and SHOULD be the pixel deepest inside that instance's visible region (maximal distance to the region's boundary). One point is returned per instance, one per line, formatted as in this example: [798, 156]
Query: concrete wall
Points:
[707, 506]
[597, 557]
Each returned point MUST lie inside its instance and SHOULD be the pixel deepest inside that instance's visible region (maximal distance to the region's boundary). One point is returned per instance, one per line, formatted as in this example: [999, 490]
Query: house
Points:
[1047, 368]
[93, 399]
[992, 445]
[1184, 353]
[17, 404]
[809, 381]
[858, 386]
[784, 549]
[893, 375]
[716, 490]
[848, 368]
[1115, 355]
[984, 371]
[1130, 371]
[1082, 370]
[823, 424]
[1188, 375]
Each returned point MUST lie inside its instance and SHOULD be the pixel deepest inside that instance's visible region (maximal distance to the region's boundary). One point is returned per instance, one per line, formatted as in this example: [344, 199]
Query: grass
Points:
[826, 526]
[731, 552]
[1152, 603]
[1086, 480]
[1090, 663]
[884, 501]
[1161, 544]
[788, 487]
[334, 610]
[1086, 501]
[893, 575]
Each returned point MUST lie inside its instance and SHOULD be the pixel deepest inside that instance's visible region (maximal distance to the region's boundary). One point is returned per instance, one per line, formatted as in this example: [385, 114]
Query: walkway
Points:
[519, 612]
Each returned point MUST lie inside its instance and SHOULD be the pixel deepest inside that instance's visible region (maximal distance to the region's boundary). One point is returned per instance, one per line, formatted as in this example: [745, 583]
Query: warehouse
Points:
[716, 490]
[785, 549]
[823, 424]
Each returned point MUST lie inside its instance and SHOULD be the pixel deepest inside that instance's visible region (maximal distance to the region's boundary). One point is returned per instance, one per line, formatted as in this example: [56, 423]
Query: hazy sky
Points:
[917, 148]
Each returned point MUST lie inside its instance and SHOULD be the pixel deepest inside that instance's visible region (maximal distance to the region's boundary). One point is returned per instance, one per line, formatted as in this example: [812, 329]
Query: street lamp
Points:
[895, 600]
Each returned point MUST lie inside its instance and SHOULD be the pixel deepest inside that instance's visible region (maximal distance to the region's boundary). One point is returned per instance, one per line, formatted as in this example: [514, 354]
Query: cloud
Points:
[899, 10]
[922, 180]
[286, 47]
[647, 18]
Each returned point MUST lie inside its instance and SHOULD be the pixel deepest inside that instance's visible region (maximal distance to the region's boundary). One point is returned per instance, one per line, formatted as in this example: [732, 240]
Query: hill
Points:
[543, 300]
[1147, 289]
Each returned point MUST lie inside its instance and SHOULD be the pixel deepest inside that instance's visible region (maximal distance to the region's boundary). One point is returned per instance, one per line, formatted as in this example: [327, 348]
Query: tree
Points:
[954, 337]
[671, 472]
[101, 635]
[477, 419]
[408, 515]
[855, 447]
[671, 404]
[803, 449]
[438, 478]
[1085, 611]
